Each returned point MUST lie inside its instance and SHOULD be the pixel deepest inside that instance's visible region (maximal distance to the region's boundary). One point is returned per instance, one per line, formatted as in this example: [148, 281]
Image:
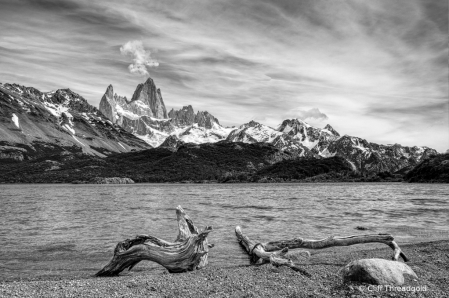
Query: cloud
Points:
[377, 69]
[141, 57]
[313, 113]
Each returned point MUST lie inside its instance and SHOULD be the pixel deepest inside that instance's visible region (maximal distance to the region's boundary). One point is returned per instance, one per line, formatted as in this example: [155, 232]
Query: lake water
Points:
[71, 230]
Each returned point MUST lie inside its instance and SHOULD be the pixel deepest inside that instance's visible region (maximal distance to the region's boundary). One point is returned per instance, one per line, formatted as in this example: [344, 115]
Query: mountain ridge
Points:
[57, 119]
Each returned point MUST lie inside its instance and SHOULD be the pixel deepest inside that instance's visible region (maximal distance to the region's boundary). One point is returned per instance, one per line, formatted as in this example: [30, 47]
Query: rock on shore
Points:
[110, 180]
[377, 272]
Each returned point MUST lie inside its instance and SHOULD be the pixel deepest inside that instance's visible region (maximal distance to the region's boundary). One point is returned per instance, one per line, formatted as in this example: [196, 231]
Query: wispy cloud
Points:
[141, 57]
[376, 69]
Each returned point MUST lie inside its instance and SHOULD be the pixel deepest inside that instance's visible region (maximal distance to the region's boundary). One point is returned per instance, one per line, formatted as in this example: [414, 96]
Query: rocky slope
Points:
[35, 123]
[218, 162]
[145, 116]
[373, 158]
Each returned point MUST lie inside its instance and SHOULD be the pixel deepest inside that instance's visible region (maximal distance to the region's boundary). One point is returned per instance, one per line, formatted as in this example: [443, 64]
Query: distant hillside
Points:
[305, 168]
[219, 162]
[434, 169]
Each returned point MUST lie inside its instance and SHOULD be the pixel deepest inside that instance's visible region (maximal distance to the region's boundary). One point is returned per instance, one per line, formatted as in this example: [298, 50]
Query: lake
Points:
[71, 230]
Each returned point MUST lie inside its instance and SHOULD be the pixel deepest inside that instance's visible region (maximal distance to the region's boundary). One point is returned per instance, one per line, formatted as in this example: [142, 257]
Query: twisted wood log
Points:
[258, 254]
[338, 241]
[278, 254]
[189, 251]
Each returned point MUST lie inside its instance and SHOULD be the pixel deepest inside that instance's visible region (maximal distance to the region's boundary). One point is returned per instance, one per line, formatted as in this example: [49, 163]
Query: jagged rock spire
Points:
[186, 116]
[151, 96]
[107, 104]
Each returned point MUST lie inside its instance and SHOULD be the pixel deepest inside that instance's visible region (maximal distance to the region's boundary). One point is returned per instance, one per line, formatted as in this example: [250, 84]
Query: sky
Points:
[373, 69]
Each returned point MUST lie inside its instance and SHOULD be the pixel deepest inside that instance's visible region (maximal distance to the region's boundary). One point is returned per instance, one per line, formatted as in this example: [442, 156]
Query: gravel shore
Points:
[429, 260]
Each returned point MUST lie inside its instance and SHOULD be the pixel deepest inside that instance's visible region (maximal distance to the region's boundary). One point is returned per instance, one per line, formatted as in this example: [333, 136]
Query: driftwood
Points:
[189, 251]
[278, 254]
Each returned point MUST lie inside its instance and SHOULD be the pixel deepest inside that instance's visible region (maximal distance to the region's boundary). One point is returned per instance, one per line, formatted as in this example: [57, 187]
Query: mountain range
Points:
[35, 123]
[145, 116]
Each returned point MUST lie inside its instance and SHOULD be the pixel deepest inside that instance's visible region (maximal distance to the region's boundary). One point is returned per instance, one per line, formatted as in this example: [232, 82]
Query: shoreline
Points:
[428, 259]
[218, 183]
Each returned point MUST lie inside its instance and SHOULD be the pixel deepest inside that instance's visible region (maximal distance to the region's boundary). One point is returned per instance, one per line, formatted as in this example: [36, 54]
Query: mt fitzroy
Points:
[145, 116]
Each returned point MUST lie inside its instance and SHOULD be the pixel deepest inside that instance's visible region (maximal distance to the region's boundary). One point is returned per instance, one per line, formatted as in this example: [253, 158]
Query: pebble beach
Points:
[429, 260]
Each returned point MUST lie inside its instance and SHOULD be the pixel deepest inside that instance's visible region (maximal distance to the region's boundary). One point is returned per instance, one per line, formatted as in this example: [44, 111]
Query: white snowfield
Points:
[125, 113]
[258, 133]
[199, 135]
[190, 134]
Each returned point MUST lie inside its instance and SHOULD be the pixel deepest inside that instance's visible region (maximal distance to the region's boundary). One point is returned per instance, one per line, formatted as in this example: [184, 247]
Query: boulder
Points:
[377, 272]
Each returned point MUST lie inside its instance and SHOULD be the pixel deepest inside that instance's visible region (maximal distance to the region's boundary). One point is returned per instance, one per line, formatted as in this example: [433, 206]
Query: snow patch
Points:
[307, 142]
[155, 139]
[68, 128]
[303, 122]
[126, 113]
[56, 110]
[353, 165]
[325, 153]
[78, 140]
[15, 120]
[287, 129]
[160, 120]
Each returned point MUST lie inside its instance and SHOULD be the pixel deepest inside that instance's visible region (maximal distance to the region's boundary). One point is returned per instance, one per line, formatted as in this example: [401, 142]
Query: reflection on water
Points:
[67, 230]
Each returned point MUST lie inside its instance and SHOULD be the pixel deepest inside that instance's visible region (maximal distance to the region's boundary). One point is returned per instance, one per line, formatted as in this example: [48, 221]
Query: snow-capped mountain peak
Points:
[253, 132]
[145, 116]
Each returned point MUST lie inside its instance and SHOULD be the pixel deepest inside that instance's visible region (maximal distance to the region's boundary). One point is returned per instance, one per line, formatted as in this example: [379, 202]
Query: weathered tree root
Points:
[189, 251]
[258, 254]
[277, 252]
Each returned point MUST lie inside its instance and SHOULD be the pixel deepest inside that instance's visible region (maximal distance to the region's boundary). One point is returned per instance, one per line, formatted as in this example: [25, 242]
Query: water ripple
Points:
[73, 229]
